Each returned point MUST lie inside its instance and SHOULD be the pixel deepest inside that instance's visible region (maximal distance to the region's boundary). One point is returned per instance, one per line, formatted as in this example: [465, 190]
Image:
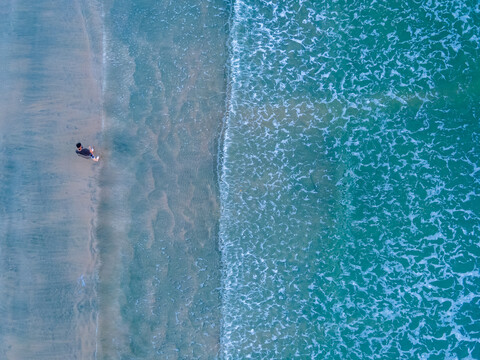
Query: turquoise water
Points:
[278, 180]
[350, 184]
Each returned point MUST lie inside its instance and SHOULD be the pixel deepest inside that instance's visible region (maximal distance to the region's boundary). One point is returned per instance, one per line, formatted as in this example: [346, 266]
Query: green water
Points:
[350, 216]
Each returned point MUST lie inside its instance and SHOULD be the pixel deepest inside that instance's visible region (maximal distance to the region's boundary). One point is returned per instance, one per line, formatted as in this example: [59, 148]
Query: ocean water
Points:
[277, 180]
[350, 187]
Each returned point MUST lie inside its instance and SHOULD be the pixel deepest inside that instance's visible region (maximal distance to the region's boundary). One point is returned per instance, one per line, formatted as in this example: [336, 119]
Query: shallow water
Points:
[159, 285]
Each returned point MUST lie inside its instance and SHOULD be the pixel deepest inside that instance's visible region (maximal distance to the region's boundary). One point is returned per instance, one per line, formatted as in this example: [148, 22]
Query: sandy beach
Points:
[50, 99]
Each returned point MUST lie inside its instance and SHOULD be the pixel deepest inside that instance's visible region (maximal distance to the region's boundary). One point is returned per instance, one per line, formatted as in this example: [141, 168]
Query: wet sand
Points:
[50, 99]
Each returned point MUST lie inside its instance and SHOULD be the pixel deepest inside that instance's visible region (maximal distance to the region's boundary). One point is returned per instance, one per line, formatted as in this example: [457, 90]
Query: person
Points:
[87, 153]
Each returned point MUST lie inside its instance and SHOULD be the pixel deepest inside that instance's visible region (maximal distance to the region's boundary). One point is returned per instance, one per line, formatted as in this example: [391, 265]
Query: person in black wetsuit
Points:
[87, 153]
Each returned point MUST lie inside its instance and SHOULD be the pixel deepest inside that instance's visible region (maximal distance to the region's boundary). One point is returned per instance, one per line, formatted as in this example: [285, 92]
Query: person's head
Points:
[79, 146]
